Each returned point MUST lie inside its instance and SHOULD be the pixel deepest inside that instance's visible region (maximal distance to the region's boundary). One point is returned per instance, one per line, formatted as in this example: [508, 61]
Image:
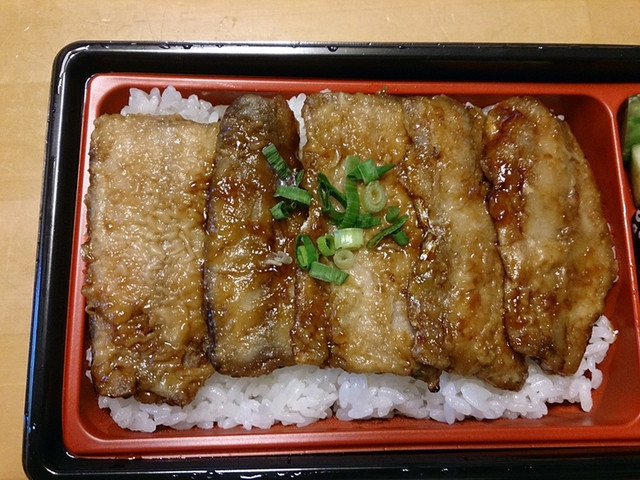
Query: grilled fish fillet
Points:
[143, 256]
[456, 287]
[249, 294]
[553, 238]
[365, 321]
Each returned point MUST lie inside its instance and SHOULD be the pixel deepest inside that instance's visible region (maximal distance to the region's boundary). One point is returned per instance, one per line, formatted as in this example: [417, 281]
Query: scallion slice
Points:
[344, 259]
[306, 253]
[276, 161]
[393, 212]
[327, 190]
[368, 171]
[326, 273]
[352, 209]
[367, 220]
[382, 169]
[326, 245]
[400, 237]
[295, 194]
[348, 238]
[397, 225]
[351, 164]
[281, 210]
[374, 197]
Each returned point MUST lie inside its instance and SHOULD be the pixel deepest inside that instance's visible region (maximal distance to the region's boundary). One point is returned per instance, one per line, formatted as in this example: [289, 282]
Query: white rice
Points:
[302, 395]
[295, 104]
[170, 102]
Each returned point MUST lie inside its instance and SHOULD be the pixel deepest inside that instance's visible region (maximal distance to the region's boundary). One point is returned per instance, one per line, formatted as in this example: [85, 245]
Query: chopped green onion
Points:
[351, 164]
[326, 189]
[276, 161]
[335, 217]
[326, 245]
[342, 208]
[326, 192]
[374, 197]
[368, 171]
[281, 210]
[296, 194]
[344, 259]
[306, 253]
[326, 273]
[397, 225]
[349, 238]
[367, 220]
[400, 237]
[393, 212]
[352, 209]
[382, 169]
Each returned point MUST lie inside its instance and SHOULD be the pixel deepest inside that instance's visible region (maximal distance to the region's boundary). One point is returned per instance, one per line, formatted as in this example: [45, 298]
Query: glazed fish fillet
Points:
[365, 320]
[250, 293]
[553, 238]
[456, 287]
[145, 205]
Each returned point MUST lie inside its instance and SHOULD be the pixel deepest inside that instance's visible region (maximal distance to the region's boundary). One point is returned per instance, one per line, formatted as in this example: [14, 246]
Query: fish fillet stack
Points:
[508, 253]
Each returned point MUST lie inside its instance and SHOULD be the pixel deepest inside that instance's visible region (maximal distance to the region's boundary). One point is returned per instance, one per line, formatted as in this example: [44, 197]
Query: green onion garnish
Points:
[342, 208]
[352, 209]
[348, 238]
[393, 212]
[367, 220]
[382, 169]
[397, 225]
[367, 171]
[400, 237]
[281, 210]
[326, 245]
[306, 253]
[295, 194]
[327, 190]
[344, 259]
[276, 161]
[351, 164]
[326, 273]
[374, 197]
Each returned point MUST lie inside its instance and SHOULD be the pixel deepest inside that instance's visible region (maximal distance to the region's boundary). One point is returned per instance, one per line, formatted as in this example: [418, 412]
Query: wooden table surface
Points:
[33, 31]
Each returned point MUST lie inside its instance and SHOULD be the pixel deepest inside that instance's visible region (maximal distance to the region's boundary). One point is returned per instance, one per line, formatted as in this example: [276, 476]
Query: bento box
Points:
[67, 432]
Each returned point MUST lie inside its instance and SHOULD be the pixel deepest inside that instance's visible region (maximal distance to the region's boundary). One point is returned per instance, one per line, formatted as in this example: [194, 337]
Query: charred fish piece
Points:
[553, 238]
[249, 269]
[366, 319]
[144, 254]
[456, 287]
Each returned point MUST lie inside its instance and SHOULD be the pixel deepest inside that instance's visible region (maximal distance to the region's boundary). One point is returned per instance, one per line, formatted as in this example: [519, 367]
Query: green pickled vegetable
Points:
[631, 145]
[634, 173]
[632, 127]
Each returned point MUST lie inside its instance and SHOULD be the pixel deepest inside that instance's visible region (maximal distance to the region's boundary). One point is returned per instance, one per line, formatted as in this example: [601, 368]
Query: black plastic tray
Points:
[44, 452]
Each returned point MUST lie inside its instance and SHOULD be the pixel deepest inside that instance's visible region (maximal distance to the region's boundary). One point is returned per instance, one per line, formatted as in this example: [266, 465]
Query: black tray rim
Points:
[44, 452]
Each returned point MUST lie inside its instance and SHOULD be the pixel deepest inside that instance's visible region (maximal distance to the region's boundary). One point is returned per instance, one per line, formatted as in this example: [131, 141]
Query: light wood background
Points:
[32, 32]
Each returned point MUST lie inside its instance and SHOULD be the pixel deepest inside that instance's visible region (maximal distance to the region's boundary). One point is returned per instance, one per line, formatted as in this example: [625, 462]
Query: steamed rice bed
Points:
[301, 395]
